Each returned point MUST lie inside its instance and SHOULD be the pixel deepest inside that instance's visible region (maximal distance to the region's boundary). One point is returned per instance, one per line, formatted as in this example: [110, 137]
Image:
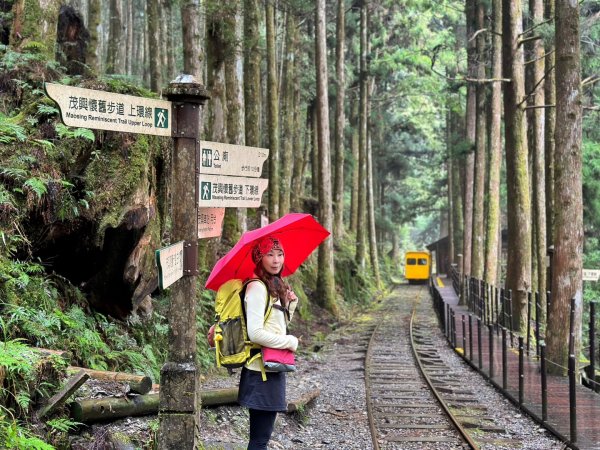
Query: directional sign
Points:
[101, 110]
[226, 159]
[170, 264]
[591, 275]
[210, 222]
[235, 192]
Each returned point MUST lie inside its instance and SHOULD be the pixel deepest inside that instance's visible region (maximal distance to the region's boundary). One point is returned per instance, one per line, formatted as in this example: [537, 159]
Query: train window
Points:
[422, 261]
[411, 262]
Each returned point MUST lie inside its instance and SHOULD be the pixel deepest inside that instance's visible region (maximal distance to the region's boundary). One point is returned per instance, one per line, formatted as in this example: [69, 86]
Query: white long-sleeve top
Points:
[272, 332]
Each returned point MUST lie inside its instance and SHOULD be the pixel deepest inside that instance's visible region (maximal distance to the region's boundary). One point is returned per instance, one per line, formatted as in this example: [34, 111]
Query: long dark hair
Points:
[276, 285]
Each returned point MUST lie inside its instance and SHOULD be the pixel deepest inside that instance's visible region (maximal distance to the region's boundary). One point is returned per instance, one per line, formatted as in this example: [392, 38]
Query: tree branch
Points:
[476, 33]
[590, 80]
[532, 38]
[529, 30]
[540, 106]
[592, 108]
[541, 57]
[535, 87]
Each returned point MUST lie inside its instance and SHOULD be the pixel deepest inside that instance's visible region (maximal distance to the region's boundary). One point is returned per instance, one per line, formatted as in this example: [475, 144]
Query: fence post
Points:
[510, 317]
[592, 340]
[544, 382]
[479, 356]
[464, 337]
[521, 371]
[470, 337]
[528, 320]
[537, 323]
[572, 375]
[504, 361]
[491, 343]
[453, 318]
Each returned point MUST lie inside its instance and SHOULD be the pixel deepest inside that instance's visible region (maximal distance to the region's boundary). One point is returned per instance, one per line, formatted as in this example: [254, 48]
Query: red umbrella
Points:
[299, 235]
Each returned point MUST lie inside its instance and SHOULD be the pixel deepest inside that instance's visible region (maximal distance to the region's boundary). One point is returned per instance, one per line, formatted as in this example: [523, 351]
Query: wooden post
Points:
[178, 403]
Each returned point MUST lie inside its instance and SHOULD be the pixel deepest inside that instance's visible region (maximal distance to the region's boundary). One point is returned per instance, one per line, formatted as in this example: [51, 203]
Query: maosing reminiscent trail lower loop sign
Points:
[229, 175]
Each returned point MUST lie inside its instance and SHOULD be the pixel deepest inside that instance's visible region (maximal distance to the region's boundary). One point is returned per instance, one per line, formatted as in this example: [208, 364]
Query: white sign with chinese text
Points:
[227, 159]
[170, 264]
[591, 275]
[210, 222]
[87, 108]
[235, 192]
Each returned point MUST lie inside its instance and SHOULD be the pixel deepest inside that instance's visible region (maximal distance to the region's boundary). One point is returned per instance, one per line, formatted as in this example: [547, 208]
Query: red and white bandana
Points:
[264, 246]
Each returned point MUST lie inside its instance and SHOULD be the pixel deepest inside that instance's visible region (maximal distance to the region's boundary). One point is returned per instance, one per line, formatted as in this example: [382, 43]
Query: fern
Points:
[14, 172]
[47, 110]
[37, 185]
[10, 131]
[44, 143]
[62, 424]
[65, 132]
[12, 435]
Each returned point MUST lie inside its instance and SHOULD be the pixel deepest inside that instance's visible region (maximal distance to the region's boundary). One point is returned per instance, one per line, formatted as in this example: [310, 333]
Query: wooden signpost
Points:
[209, 175]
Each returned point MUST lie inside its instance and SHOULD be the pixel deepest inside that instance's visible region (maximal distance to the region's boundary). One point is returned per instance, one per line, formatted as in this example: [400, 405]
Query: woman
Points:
[265, 398]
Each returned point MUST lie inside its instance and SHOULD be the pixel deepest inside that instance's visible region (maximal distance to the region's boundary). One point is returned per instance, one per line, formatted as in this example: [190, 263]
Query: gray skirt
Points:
[267, 395]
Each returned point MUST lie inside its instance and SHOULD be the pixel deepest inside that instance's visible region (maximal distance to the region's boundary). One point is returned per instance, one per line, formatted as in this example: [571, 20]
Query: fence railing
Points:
[490, 309]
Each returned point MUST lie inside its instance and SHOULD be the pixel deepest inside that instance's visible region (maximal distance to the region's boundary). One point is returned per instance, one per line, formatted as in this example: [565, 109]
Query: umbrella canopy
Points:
[299, 235]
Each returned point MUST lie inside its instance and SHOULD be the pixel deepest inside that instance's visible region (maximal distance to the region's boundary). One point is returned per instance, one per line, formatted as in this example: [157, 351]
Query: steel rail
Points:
[433, 390]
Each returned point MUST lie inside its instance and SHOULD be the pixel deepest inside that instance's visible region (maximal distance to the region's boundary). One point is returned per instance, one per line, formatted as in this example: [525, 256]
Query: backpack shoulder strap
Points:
[268, 305]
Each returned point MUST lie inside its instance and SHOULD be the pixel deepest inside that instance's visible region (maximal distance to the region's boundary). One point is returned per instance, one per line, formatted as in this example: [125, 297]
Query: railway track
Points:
[414, 400]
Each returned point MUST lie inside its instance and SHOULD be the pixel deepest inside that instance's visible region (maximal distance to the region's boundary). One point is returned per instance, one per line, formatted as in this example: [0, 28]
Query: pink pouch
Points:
[278, 360]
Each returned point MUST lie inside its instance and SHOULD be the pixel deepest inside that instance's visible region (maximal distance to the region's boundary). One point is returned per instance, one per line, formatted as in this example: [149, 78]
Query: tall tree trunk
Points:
[325, 278]
[273, 113]
[355, 142]
[361, 227]
[287, 132]
[190, 33]
[371, 210]
[234, 222]
[568, 218]
[93, 25]
[471, 116]
[154, 47]
[340, 119]
[114, 37]
[252, 59]
[518, 277]
[129, 30]
[477, 261]
[549, 128]
[457, 186]
[449, 174]
[170, 40]
[299, 149]
[216, 126]
[495, 111]
[35, 21]
[536, 8]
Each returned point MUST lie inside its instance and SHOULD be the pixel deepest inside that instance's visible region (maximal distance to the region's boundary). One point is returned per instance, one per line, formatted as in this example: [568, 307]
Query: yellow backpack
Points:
[232, 345]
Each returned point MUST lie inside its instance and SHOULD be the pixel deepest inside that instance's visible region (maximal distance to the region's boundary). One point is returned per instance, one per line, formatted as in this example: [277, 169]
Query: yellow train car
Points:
[417, 267]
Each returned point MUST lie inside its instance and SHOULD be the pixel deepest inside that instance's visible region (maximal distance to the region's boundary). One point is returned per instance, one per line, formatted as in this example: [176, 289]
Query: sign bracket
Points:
[190, 258]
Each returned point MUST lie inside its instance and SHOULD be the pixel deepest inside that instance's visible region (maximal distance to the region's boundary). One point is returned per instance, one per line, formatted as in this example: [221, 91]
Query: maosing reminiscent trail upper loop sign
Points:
[100, 110]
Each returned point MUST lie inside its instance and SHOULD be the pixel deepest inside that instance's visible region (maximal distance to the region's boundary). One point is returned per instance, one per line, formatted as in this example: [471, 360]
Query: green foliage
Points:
[65, 132]
[14, 435]
[10, 130]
